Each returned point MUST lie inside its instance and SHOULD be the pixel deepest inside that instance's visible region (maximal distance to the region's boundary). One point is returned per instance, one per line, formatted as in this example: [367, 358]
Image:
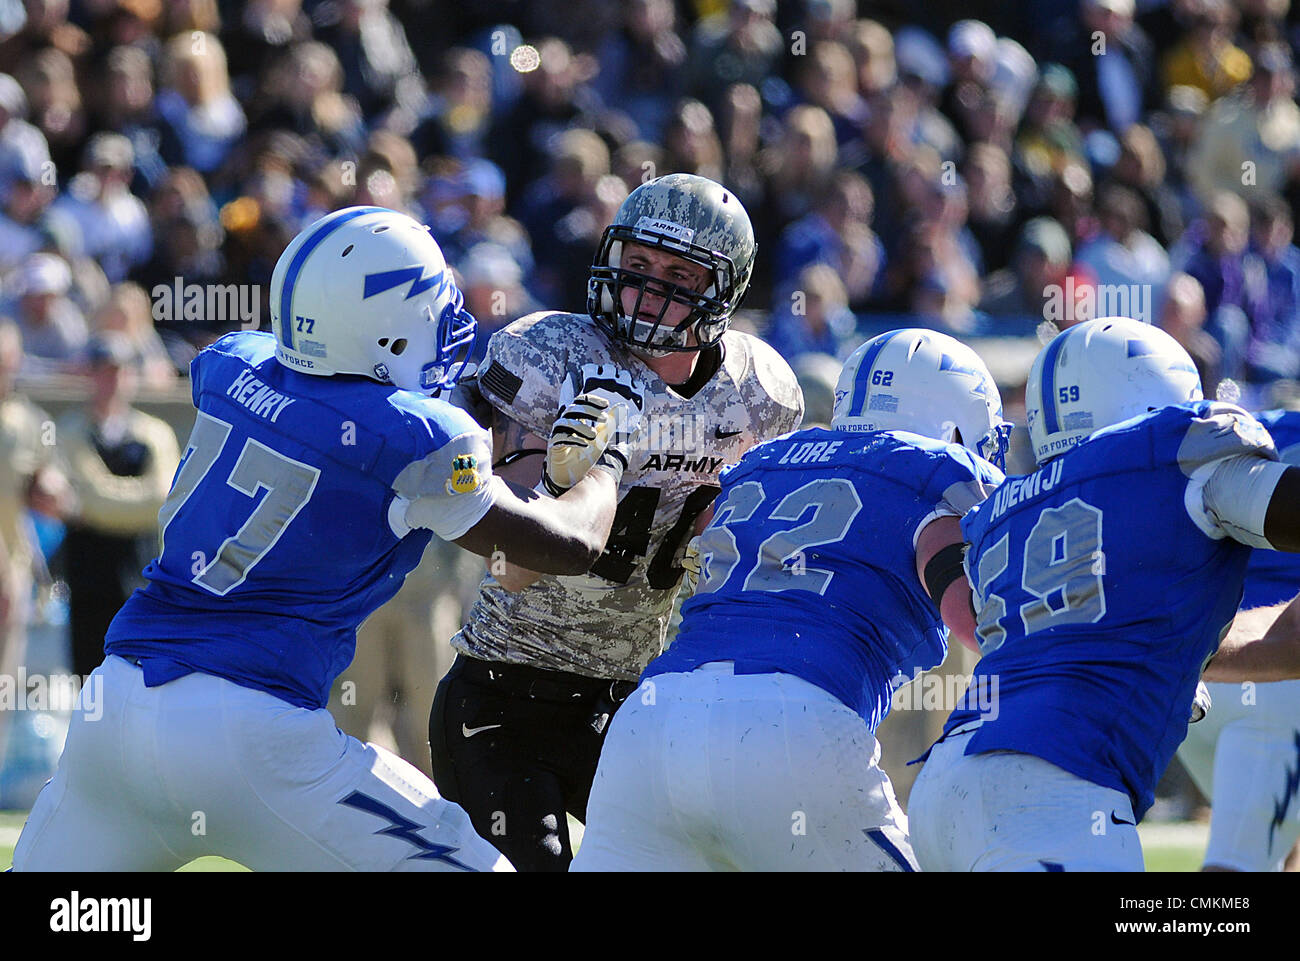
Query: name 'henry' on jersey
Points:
[1103, 587]
[276, 536]
[613, 620]
[809, 563]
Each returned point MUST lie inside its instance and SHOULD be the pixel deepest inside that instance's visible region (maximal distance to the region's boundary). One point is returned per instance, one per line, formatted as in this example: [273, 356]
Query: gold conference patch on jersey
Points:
[464, 474]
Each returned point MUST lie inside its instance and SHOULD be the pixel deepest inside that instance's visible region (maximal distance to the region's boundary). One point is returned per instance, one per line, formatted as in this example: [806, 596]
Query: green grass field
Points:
[11, 823]
[1168, 847]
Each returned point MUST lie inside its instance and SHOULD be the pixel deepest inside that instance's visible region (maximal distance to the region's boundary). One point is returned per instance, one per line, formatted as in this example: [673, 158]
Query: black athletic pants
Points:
[517, 747]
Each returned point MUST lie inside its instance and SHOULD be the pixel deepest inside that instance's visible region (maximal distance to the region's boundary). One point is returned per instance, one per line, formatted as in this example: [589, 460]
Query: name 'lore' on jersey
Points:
[612, 621]
[831, 595]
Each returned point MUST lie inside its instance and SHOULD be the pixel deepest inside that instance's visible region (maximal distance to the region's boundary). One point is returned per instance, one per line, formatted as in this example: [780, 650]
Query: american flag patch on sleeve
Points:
[500, 382]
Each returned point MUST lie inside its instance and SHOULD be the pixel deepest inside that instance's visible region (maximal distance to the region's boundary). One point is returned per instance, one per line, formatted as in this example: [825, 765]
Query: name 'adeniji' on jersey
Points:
[1105, 582]
[1018, 489]
[1130, 665]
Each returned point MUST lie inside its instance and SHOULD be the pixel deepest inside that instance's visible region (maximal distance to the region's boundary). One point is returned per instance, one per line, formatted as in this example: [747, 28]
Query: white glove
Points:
[1201, 703]
[597, 428]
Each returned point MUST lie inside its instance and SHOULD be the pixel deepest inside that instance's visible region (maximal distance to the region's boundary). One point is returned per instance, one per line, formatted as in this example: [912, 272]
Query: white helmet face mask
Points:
[927, 383]
[1099, 373]
[366, 291]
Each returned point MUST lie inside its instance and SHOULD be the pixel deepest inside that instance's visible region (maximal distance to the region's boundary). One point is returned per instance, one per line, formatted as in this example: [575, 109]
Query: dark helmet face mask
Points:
[709, 311]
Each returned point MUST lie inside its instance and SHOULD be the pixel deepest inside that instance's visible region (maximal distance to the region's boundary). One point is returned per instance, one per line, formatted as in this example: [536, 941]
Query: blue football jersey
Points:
[809, 563]
[1274, 576]
[286, 525]
[1103, 587]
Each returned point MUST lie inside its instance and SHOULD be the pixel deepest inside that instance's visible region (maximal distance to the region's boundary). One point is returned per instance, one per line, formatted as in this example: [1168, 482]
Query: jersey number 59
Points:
[1062, 571]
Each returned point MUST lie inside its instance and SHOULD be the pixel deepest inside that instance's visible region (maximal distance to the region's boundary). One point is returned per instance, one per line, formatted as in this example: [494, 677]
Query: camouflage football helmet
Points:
[695, 219]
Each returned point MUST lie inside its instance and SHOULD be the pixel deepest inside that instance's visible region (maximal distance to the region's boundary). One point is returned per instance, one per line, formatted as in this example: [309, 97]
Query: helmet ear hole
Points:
[383, 341]
[399, 345]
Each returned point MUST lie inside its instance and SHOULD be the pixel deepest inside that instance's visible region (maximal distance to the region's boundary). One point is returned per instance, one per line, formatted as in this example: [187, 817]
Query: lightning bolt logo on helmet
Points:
[925, 382]
[421, 334]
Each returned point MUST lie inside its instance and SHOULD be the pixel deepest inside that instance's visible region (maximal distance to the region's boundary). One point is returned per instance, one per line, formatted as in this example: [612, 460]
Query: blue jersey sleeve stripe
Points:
[300, 258]
[862, 383]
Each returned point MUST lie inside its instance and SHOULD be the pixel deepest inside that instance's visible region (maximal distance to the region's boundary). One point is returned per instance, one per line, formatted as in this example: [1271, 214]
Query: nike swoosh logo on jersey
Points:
[720, 434]
[1116, 820]
[471, 731]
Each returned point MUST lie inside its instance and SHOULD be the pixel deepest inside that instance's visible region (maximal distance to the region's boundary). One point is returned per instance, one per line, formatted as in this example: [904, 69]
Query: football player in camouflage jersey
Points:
[543, 661]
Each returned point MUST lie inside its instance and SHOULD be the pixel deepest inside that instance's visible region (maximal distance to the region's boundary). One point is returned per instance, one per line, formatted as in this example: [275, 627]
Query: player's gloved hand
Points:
[628, 395]
[690, 562]
[1201, 703]
[468, 397]
[595, 429]
[605, 380]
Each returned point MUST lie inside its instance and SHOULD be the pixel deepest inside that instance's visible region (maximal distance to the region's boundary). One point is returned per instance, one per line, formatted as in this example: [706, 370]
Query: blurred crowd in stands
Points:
[977, 176]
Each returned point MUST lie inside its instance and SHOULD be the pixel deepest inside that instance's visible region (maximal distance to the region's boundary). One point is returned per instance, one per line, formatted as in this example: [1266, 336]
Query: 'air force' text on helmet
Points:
[695, 219]
[927, 383]
[1101, 372]
[365, 290]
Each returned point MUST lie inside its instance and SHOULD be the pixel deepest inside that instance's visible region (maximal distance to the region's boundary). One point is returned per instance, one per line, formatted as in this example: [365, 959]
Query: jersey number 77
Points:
[288, 486]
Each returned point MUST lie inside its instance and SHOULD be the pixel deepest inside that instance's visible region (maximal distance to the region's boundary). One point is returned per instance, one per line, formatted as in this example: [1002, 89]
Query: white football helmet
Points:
[1101, 372]
[927, 383]
[365, 290]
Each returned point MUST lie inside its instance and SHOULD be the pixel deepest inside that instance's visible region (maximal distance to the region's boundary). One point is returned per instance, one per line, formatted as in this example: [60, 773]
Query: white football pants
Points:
[1007, 811]
[1245, 757]
[151, 778]
[707, 771]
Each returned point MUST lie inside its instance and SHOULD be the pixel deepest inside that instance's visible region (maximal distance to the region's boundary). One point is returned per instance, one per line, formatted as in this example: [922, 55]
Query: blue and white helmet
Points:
[366, 290]
[1101, 372]
[925, 382]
